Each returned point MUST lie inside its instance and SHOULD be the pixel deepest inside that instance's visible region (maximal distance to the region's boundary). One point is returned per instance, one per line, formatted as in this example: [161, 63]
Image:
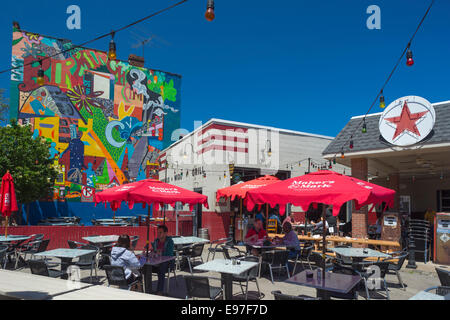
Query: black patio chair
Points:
[89, 261]
[276, 259]
[281, 296]
[230, 251]
[195, 252]
[304, 255]
[33, 248]
[444, 276]
[116, 277]
[250, 275]
[39, 267]
[3, 255]
[362, 268]
[198, 287]
[75, 244]
[396, 263]
[215, 246]
[134, 240]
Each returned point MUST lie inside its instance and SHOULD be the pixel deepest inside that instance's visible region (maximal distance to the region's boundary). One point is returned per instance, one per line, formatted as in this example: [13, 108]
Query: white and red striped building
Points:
[201, 160]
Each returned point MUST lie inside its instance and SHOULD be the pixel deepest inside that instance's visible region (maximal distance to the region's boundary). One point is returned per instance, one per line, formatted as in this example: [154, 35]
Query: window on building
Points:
[443, 203]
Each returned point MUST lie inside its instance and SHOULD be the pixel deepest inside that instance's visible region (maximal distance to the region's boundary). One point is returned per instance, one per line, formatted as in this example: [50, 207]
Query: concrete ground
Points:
[415, 280]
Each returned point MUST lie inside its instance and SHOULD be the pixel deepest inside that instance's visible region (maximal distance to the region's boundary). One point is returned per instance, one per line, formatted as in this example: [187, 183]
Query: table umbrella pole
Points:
[324, 237]
[114, 216]
[6, 227]
[148, 228]
[242, 222]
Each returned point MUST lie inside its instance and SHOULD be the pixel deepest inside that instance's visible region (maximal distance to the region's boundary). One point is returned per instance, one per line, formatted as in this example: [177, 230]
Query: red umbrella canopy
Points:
[150, 191]
[324, 186]
[240, 190]
[8, 202]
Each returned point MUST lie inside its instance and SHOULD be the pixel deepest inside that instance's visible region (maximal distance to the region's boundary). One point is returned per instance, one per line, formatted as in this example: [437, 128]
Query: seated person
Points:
[375, 230]
[318, 226]
[121, 255]
[257, 232]
[163, 246]
[290, 239]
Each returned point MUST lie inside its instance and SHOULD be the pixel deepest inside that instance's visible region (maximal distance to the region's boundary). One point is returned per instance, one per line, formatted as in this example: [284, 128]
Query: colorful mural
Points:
[106, 120]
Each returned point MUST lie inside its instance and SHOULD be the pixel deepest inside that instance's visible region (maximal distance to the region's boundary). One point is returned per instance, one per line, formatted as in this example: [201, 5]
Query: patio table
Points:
[423, 295]
[100, 240]
[13, 238]
[183, 241]
[332, 282]
[66, 256]
[147, 264]
[227, 271]
[359, 253]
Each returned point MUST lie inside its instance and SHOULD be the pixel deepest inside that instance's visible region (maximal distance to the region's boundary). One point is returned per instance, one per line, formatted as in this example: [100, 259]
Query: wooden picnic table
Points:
[385, 243]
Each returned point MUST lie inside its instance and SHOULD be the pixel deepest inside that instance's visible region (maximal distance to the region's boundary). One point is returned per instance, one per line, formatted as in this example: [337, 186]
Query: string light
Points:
[40, 76]
[342, 154]
[409, 57]
[382, 103]
[364, 127]
[351, 142]
[209, 15]
[112, 55]
[224, 174]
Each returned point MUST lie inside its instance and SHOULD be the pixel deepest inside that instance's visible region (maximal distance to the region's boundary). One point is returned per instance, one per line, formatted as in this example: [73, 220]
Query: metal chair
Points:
[3, 255]
[304, 254]
[395, 266]
[39, 267]
[280, 296]
[383, 266]
[194, 252]
[32, 248]
[75, 244]
[134, 240]
[444, 276]
[276, 259]
[89, 261]
[227, 249]
[116, 277]
[215, 246]
[198, 287]
[250, 275]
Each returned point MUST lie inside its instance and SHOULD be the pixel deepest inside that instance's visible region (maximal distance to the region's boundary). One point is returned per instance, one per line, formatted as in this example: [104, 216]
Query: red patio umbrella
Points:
[240, 190]
[327, 187]
[323, 186]
[8, 202]
[150, 191]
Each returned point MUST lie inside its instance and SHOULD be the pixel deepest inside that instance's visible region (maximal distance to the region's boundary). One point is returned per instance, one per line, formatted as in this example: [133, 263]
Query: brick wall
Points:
[359, 217]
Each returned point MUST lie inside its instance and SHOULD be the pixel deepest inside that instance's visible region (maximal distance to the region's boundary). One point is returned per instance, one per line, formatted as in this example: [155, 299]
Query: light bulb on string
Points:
[351, 142]
[409, 58]
[382, 103]
[40, 75]
[364, 127]
[209, 14]
[342, 154]
[112, 55]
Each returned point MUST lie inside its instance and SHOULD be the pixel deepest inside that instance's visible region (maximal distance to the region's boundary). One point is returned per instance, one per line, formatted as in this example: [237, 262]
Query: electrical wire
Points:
[389, 77]
[112, 33]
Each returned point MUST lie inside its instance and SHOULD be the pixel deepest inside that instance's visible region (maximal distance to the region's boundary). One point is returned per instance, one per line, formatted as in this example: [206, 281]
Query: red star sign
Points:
[406, 121]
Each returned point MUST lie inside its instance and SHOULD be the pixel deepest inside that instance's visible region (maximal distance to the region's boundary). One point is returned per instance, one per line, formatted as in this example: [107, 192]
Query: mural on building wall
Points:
[106, 120]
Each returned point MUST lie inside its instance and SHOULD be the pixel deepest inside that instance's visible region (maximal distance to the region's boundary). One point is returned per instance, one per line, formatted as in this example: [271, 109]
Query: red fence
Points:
[59, 235]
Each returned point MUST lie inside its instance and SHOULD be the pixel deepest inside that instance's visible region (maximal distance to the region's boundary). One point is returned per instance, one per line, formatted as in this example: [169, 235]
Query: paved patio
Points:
[415, 280]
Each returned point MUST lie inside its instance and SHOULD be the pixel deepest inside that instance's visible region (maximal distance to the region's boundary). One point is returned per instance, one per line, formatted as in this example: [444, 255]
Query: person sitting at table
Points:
[318, 226]
[257, 232]
[290, 239]
[163, 246]
[121, 255]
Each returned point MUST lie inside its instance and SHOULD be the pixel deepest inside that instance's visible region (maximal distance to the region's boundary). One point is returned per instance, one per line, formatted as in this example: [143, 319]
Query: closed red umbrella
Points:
[8, 202]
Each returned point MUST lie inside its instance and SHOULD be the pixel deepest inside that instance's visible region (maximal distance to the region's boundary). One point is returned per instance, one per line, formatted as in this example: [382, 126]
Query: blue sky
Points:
[293, 64]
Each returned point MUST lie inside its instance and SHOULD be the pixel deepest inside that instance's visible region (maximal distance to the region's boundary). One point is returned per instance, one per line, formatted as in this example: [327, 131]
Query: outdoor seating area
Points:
[232, 273]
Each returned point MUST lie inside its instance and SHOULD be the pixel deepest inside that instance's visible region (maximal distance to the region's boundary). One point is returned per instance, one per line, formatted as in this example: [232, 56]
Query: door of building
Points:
[197, 215]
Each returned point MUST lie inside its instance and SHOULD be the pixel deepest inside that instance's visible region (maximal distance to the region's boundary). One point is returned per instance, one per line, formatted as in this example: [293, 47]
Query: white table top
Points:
[65, 253]
[22, 285]
[359, 252]
[188, 240]
[422, 295]
[226, 266]
[12, 237]
[102, 239]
